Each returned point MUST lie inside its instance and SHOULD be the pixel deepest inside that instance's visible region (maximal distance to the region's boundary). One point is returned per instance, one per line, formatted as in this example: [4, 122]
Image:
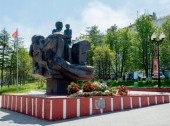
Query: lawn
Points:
[23, 88]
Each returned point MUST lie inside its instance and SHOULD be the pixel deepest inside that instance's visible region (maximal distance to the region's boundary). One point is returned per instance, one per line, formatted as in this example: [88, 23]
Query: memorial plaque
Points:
[100, 104]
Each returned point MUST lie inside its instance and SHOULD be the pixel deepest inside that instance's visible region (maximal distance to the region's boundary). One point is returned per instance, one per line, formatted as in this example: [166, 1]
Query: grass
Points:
[23, 88]
[143, 84]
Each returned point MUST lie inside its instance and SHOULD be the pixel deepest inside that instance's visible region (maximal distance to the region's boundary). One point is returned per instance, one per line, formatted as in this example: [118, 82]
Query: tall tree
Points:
[4, 53]
[124, 50]
[111, 40]
[111, 37]
[95, 37]
[165, 46]
[103, 61]
[144, 26]
[24, 65]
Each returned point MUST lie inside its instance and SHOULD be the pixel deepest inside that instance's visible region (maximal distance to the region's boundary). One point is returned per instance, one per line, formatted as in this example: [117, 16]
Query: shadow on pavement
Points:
[18, 118]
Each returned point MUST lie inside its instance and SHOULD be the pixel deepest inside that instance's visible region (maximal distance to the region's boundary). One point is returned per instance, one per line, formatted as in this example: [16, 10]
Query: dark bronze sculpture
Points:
[59, 26]
[67, 42]
[56, 62]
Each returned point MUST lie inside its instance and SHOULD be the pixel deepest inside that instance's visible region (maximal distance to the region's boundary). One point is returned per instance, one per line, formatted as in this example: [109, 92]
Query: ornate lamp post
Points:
[157, 39]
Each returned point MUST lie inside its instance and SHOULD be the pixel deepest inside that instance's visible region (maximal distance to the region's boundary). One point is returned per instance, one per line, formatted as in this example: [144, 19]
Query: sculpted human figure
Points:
[67, 40]
[59, 26]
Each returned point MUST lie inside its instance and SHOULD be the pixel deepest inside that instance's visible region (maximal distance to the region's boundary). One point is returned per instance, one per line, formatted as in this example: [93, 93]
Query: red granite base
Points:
[58, 108]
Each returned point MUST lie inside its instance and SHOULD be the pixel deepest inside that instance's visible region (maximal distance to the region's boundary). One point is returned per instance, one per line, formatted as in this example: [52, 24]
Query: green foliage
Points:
[112, 83]
[8, 60]
[90, 54]
[5, 51]
[165, 83]
[25, 64]
[165, 46]
[41, 84]
[103, 62]
[120, 42]
[144, 26]
[94, 35]
[123, 54]
[153, 83]
[111, 37]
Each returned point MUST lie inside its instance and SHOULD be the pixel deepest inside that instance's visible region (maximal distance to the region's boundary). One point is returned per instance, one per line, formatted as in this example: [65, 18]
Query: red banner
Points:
[155, 67]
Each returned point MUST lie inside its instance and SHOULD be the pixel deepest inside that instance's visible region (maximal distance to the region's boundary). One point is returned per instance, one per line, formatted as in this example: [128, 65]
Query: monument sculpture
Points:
[58, 63]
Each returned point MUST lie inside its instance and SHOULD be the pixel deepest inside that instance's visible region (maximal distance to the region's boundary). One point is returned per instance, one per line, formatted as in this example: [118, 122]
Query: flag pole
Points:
[15, 36]
[17, 55]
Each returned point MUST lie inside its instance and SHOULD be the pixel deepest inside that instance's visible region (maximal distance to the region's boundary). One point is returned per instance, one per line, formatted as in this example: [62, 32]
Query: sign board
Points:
[100, 104]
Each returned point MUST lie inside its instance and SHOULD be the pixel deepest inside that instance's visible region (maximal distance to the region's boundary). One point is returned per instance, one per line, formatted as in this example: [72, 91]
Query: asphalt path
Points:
[158, 115]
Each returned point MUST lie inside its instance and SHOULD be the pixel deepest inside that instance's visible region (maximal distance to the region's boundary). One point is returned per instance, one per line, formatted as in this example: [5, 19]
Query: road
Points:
[158, 115]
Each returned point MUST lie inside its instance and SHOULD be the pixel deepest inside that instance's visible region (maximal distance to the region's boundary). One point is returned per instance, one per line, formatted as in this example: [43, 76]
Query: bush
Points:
[112, 83]
[166, 83]
[126, 83]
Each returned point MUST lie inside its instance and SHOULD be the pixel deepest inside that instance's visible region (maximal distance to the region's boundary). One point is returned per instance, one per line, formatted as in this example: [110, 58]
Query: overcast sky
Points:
[39, 16]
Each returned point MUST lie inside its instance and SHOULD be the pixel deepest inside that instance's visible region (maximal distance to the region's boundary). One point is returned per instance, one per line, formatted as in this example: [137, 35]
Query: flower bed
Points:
[95, 89]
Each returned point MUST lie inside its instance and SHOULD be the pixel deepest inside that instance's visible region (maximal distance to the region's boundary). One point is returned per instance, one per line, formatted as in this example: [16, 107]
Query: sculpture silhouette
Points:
[51, 62]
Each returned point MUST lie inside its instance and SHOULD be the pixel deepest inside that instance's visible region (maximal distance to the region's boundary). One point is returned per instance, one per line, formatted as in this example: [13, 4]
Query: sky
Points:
[38, 17]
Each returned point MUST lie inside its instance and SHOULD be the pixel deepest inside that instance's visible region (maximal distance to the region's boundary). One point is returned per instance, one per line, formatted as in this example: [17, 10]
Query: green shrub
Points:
[141, 83]
[112, 83]
[165, 83]
[126, 83]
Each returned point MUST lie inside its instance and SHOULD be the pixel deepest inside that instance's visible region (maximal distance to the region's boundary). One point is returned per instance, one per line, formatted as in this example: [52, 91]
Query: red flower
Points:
[73, 88]
[88, 87]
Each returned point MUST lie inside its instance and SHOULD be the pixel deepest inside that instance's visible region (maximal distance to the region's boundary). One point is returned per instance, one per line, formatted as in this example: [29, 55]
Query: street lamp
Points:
[157, 39]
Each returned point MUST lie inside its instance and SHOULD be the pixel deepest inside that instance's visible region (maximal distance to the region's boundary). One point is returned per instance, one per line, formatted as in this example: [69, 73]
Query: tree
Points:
[95, 37]
[24, 65]
[134, 60]
[119, 41]
[124, 50]
[111, 37]
[111, 40]
[165, 46]
[8, 60]
[103, 61]
[144, 26]
[4, 53]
